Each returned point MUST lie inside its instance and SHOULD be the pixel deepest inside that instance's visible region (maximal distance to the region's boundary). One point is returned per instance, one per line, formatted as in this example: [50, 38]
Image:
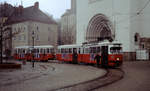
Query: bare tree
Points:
[6, 11]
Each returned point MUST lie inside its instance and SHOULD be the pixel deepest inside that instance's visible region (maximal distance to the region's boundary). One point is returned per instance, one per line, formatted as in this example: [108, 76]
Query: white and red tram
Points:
[37, 53]
[111, 53]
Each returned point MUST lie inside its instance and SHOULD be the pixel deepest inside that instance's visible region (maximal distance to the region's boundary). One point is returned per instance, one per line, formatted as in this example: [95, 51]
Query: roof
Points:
[20, 14]
[6, 10]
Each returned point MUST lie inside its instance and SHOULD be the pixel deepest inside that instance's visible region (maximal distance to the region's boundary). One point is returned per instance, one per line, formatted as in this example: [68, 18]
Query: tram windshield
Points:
[115, 50]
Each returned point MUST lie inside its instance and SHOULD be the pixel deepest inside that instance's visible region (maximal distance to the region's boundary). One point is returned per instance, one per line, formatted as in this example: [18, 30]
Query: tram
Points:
[37, 53]
[110, 52]
[20, 52]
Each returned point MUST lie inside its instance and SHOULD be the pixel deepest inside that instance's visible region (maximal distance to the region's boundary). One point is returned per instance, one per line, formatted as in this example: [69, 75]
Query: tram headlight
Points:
[117, 59]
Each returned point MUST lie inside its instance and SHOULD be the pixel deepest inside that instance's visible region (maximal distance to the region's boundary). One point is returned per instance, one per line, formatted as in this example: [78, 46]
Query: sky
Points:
[52, 7]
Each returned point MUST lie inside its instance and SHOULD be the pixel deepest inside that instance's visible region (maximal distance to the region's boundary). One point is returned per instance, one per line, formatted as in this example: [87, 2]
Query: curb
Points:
[10, 66]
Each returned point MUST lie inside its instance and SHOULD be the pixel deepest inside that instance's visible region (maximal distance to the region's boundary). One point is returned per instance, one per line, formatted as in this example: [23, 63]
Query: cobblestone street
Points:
[54, 75]
[46, 76]
[136, 78]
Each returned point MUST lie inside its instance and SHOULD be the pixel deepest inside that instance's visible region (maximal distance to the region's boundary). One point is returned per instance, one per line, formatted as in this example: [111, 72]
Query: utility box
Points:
[142, 55]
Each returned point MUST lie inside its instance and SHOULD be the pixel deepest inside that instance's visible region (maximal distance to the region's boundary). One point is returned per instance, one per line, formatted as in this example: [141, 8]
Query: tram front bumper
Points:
[115, 63]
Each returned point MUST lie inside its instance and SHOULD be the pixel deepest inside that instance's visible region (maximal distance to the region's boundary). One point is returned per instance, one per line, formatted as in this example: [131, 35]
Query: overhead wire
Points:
[134, 14]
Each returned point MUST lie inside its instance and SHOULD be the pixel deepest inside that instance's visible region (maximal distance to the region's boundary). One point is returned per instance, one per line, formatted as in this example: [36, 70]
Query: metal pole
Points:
[33, 48]
[1, 44]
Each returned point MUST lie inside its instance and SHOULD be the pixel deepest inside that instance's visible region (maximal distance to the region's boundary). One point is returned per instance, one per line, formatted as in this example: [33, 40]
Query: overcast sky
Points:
[53, 7]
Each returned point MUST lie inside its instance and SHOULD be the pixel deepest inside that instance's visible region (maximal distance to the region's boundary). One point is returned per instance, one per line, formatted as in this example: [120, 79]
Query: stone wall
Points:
[129, 56]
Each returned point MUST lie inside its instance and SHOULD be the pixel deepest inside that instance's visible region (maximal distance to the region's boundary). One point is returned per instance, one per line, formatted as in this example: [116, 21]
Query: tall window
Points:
[37, 37]
[37, 28]
[136, 37]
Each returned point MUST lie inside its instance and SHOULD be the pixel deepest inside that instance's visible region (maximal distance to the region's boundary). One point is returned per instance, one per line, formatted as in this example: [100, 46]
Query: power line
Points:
[139, 12]
[136, 14]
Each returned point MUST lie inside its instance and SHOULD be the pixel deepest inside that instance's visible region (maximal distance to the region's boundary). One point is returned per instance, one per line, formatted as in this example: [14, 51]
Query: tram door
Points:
[75, 56]
[104, 56]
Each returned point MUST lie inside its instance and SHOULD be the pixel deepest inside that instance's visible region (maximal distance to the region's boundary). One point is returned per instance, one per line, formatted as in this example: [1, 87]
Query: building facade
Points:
[31, 23]
[68, 25]
[118, 20]
[44, 34]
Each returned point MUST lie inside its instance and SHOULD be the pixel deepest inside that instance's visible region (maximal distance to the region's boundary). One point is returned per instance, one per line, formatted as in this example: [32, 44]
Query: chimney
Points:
[20, 9]
[36, 5]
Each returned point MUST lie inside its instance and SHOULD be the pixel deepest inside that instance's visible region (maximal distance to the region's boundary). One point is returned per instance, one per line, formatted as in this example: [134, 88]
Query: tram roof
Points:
[22, 47]
[70, 46]
[104, 43]
[42, 46]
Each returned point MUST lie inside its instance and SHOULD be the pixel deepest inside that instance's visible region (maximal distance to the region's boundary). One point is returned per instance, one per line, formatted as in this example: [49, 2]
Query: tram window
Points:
[53, 51]
[70, 51]
[50, 50]
[15, 51]
[98, 49]
[74, 50]
[47, 50]
[44, 51]
[83, 50]
[94, 49]
[37, 50]
[18, 50]
[41, 50]
[79, 51]
[87, 50]
[67, 50]
[115, 49]
[90, 50]
[62, 50]
[59, 50]
[23, 51]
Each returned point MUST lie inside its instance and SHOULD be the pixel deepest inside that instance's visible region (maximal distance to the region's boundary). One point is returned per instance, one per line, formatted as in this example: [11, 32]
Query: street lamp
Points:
[2, 21]
[33, 35]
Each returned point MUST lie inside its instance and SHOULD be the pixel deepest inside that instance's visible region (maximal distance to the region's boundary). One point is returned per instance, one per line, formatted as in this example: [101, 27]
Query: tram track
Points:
[112, 75]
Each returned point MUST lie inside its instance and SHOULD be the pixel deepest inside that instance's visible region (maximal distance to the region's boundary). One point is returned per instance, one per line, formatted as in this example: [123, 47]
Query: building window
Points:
[49, 28]
[19, 29]
[136, 37]
[143, 46]
[37, 28]
[15, 29]
[37, 37]
[49, 38]
[19, 37]
[24, 37]
[14, 37]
